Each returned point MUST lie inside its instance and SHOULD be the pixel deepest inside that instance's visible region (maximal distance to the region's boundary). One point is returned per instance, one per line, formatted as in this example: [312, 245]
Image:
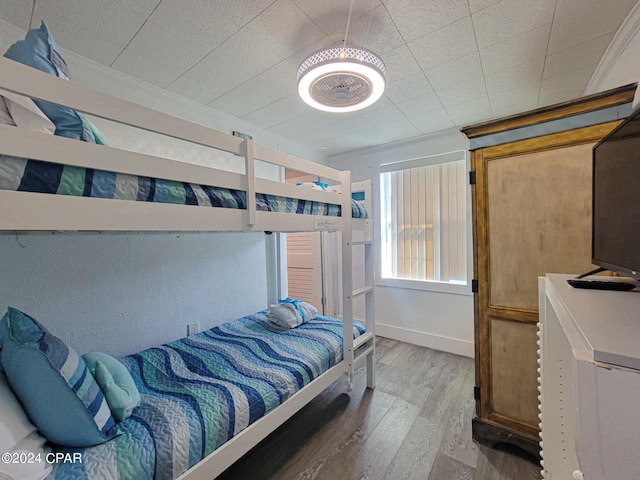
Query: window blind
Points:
[424, 219]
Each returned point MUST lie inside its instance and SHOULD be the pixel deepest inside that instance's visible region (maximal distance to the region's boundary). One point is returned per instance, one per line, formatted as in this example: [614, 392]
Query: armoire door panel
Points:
[514, 391]
[539, 208]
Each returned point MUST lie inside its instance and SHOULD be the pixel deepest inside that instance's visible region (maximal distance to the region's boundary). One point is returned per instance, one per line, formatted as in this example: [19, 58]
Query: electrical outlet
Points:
[192, 328]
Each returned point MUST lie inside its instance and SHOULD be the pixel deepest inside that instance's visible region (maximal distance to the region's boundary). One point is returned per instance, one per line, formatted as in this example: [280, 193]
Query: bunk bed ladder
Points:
[364, 345]
[250, 179]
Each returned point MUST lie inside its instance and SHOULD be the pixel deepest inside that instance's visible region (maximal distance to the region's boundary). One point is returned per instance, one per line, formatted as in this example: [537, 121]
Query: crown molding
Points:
[621, 40]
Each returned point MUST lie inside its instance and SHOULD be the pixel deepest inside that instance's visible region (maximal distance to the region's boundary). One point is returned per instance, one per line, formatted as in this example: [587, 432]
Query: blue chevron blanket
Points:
[46, 177]
[200, 391]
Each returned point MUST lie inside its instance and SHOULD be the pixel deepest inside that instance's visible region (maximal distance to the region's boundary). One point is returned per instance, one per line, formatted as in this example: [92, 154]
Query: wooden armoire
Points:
[531, 195]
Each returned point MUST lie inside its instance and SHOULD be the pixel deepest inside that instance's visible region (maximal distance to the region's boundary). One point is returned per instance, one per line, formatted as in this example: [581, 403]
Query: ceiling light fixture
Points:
[341, 79]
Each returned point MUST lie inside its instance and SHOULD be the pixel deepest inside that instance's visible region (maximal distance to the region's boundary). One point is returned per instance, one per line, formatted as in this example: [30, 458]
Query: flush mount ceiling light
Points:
[341, 79]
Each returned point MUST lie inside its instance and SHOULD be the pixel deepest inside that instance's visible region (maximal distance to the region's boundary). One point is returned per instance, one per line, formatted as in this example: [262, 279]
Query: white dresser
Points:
[589, 367]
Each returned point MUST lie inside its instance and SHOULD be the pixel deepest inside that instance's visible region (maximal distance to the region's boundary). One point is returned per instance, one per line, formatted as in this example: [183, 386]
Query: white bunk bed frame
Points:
[22, 211]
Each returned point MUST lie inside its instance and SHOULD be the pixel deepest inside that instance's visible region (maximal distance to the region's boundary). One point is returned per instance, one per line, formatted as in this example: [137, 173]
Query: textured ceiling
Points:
[449, 62]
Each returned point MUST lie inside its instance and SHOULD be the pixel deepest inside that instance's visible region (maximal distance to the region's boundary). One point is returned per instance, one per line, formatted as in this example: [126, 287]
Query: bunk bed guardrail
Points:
[23, 143]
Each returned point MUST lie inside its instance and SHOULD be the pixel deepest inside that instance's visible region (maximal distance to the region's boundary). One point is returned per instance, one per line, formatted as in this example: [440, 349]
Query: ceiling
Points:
[449, 63]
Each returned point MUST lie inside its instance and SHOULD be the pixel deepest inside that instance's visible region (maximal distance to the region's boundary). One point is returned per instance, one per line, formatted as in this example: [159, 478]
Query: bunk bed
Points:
[254, 204]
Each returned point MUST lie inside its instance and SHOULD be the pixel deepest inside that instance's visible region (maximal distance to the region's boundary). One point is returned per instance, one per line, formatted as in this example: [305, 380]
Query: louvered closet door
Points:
[304, 267]
[304, 257]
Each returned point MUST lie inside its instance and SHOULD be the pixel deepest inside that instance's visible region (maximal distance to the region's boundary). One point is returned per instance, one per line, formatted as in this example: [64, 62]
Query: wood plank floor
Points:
[416, 424]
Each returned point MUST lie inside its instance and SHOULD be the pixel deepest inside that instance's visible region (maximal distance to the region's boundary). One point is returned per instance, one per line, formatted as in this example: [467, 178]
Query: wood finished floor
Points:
[416, 424]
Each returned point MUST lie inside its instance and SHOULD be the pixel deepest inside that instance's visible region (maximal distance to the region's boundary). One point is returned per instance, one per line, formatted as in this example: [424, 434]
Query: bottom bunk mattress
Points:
[198, 392]
[46, 177]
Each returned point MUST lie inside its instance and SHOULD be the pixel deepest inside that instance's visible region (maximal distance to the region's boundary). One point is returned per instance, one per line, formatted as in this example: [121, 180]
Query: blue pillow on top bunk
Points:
[39, 50]
[53, 384]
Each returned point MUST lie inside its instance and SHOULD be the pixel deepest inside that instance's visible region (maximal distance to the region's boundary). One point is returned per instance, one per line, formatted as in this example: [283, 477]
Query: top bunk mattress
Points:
[200, 391]
[25, 175]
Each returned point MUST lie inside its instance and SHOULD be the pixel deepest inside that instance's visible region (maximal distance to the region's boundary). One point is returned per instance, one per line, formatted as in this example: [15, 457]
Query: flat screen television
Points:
[616, 199]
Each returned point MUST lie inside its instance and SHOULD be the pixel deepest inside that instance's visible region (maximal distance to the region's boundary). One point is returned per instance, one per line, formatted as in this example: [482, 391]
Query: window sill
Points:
[426, 285]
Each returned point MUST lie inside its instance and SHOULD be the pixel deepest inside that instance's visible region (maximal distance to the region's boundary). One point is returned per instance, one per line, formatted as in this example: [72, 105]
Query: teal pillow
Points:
[39, 50]
[116, 383]
[90, 132]
[53, 384]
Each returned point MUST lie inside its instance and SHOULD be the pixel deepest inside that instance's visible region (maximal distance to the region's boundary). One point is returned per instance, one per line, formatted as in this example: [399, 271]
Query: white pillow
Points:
[25, 113]
[19, 435]
[312, 185]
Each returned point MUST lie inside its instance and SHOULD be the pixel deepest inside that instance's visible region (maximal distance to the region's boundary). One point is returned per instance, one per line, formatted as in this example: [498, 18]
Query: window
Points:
[424, 219]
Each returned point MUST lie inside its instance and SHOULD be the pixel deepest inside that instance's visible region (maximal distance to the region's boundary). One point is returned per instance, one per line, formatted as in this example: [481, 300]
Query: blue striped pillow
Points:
[53, 384]
[39, 50]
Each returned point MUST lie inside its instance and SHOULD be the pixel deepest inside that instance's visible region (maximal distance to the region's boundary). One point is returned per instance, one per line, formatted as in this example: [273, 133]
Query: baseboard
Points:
[424, 339]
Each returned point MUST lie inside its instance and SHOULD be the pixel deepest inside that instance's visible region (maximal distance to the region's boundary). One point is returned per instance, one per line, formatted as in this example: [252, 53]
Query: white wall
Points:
[119, 293]
[439, 320]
